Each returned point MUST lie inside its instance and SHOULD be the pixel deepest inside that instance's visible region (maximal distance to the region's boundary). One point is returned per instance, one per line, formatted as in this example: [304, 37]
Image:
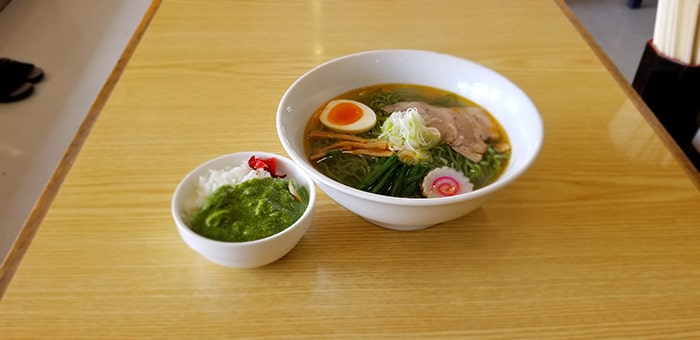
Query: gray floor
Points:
[620, 31]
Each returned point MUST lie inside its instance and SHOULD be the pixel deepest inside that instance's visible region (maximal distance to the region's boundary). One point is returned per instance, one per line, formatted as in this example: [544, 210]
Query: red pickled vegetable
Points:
[267, 164]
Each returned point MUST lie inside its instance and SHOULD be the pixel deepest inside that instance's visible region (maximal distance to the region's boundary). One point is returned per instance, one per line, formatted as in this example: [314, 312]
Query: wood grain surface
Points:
[599, 239]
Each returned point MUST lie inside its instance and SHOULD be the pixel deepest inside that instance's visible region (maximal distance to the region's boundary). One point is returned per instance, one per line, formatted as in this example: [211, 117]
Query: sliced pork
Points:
[465, 129]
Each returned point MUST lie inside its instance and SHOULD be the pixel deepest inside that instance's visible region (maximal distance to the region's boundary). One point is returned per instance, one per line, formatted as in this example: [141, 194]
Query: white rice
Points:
[217, 178]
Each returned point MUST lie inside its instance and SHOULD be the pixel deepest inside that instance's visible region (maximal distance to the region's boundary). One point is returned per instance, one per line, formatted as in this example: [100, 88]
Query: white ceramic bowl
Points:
[242, 254]
[504, 100]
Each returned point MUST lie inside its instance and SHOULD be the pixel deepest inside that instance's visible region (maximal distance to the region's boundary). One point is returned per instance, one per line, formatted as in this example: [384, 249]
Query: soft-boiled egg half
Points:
[349, 116]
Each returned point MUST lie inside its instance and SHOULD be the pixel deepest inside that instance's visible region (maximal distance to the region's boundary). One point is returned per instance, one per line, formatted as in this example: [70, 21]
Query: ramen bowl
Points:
[245, 254]
[507, 103]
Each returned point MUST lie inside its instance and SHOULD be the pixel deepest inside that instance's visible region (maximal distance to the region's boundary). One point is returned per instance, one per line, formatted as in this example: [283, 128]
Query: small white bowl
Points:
[249, 254]
[503, 99]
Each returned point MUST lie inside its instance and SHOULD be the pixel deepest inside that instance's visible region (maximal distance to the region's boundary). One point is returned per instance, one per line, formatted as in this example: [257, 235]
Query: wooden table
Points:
[601, 238]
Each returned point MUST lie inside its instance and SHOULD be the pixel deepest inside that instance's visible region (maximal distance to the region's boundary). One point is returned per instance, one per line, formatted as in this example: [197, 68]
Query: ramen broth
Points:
[356, 159]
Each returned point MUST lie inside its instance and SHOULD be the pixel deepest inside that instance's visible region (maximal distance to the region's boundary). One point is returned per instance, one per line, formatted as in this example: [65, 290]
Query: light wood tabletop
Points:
[599, 239]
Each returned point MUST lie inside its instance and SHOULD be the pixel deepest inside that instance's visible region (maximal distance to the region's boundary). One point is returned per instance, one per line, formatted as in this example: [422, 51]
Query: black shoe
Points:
[18, 93]
[17, 79]
[17, 69]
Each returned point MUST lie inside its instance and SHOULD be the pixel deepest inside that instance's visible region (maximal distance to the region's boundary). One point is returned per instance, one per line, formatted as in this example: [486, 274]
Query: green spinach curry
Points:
[252, 210]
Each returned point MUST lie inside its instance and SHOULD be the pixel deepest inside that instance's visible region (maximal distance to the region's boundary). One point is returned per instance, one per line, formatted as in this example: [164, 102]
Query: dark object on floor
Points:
[18, 93]
[3, 4]
[17, 79]
[634, 3]
[18, 69]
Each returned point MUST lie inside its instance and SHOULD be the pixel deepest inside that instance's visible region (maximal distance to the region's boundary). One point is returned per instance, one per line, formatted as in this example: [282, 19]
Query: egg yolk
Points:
[345, 113]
